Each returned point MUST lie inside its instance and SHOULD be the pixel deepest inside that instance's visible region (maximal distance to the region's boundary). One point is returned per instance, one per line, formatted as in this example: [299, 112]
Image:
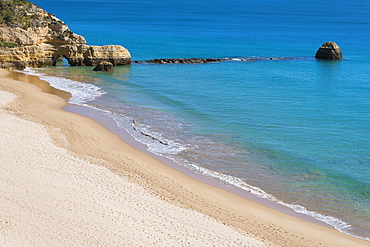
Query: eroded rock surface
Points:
[329, 51]
[32, 37]
[104, 66]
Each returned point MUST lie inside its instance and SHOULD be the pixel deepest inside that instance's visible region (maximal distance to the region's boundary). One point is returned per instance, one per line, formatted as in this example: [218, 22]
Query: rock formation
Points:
[183, 60]
[208, 60]
[104, 66]
[330, 51]
[92, 55]
[32, 37]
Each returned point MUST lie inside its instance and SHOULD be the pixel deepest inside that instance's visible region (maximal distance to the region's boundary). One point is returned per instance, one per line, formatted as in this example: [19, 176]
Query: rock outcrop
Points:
[183, 60]
[92, 55]
[330, 51]
[208, 60]
[104, 66]
[32, 37]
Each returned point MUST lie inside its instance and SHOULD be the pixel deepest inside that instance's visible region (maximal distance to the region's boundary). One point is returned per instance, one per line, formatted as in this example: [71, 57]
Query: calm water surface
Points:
[296, 131]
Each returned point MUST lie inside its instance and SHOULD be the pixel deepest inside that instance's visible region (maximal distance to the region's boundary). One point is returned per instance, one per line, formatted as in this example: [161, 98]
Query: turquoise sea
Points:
[295, 131]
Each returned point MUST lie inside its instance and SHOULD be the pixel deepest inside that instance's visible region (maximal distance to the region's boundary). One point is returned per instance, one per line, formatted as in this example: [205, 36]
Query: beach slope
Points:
[67, 181]
[51, 198]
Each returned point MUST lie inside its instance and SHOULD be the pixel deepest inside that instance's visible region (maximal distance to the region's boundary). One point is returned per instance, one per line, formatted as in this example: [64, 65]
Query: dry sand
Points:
[67, 181]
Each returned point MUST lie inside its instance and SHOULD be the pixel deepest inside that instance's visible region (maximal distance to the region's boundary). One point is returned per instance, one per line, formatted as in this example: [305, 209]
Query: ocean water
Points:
[296, 131]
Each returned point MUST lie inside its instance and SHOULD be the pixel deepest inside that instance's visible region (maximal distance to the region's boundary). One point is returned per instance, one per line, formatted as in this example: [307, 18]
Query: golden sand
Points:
[67, 181]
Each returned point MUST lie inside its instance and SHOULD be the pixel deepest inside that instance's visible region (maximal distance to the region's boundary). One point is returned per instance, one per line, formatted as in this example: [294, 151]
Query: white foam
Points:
[81, 92]
[175, 148]
[330, 220]
[155, 141]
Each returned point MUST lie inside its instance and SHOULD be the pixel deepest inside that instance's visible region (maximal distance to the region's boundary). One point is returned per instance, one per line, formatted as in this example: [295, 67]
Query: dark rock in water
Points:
[183, 60]
[208, 60]
[104, 66]
[330, 51]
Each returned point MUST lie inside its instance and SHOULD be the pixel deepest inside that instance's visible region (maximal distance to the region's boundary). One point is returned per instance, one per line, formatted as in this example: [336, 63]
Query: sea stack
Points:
[329, 51]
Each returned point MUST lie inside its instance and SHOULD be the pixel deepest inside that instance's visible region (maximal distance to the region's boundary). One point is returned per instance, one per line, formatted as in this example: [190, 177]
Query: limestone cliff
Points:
[32, 37]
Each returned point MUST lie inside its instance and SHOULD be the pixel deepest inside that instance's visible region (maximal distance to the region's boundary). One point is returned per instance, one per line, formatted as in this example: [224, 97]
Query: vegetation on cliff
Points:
[7, 44]
[24, 23]
[32, 37]
[24, 14]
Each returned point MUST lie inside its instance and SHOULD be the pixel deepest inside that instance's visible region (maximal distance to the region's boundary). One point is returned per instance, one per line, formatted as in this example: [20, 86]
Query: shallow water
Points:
[296, 131]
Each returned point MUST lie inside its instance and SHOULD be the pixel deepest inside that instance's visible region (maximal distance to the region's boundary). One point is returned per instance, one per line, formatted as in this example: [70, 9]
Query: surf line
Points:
[134, 126]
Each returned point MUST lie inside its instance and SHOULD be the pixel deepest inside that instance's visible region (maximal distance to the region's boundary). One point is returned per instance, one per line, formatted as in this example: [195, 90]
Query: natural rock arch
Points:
[46, 39]
[57, 58]
[88, 55]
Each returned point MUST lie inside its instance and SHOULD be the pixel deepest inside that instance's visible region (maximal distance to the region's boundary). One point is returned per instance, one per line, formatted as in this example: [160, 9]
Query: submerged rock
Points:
[330, 51]
[104, 66]
[183, 60]
[209, 60]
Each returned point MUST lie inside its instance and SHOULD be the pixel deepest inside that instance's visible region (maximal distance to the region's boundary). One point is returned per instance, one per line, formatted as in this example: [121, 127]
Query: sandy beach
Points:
[67, 181]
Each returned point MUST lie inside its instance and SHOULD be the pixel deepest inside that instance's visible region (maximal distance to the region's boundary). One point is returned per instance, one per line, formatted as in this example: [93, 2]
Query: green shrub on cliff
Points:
[6, 44]
[22, 13]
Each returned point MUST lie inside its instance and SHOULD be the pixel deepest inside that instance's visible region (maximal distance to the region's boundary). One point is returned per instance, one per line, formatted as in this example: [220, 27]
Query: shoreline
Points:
[218, 180]
[285, 208]
[172, 186]
[111, 126]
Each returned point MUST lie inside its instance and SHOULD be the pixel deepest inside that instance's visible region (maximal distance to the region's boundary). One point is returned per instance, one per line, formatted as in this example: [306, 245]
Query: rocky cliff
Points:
[32, 37]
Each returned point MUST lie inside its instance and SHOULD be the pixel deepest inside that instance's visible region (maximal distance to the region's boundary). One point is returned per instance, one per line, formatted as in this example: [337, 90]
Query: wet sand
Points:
[66, 180]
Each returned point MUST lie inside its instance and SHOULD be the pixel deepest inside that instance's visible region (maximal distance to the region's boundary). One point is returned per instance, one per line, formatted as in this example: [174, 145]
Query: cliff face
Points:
[91, 55]
[32, 37]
